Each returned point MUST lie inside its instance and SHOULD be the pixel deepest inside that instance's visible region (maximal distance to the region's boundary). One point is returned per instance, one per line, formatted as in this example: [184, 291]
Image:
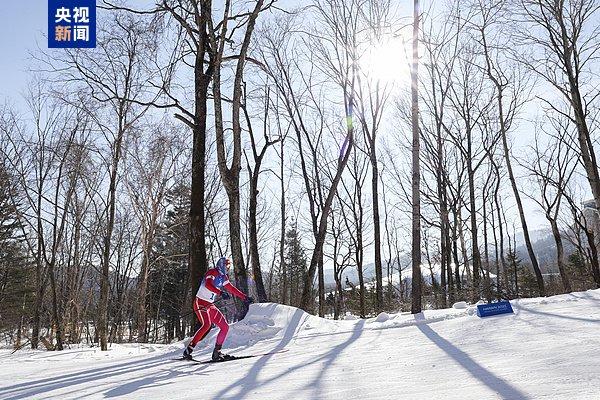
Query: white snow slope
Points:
[549, 349]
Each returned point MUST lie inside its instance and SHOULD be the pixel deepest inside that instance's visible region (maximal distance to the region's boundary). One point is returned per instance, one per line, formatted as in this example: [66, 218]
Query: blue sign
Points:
[501, 307]
[71, 23]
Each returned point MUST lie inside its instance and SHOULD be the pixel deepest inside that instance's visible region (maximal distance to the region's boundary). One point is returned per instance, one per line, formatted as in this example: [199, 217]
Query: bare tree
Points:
[509, 83]
[416, 168]
[565, 36]
[552, 169]
[150, 162]
[371, 96]
[441, 52]
[340, 256]
[258, 156]
[470, 100]
[353, 212]
[582, 223]
[191, 48]
[300, 101]
[48, 175]
[116, 93]
[219, 36]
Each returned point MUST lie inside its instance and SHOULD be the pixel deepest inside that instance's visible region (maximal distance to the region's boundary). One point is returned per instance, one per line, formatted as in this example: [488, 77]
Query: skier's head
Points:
[223, 265]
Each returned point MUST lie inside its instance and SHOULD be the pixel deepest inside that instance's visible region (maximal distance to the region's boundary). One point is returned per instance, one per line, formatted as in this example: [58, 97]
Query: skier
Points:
[215, 280]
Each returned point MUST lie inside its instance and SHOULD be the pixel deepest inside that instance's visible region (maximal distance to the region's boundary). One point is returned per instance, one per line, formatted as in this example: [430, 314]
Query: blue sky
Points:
[24, 23]
[24, 28]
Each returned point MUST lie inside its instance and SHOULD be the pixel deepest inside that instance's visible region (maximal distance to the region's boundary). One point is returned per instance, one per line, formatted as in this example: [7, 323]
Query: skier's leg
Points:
[204, 317]
[205, 334]
[219, 320]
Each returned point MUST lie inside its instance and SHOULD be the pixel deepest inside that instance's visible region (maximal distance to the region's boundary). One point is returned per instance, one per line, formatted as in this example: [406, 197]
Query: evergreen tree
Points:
[527, 282]
[579, 272]
[16, 292]
[8, 210]
[522, 281]
[513, 263]
[296, 265]
[168, 276]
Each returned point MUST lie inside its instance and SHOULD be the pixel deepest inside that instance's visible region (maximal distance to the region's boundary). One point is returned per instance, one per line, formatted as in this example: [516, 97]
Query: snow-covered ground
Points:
[549, 348]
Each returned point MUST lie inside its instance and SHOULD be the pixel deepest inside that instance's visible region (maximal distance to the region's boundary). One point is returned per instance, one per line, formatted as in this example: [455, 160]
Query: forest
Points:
[349, 156]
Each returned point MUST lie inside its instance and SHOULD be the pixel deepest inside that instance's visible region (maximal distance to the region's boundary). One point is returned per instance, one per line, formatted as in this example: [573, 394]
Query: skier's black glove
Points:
[225, 295]
[249, 300]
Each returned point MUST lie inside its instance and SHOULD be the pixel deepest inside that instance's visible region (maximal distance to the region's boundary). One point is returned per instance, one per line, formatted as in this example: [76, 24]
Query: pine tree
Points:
[579, 271]
[527, 282]
[513, 264]
[168, 277]
[296, 265]
[16, 292]
[521, 278]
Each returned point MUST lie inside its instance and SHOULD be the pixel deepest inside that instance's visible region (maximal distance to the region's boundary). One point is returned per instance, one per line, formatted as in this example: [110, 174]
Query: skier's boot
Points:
[187, 353]
[217, 355]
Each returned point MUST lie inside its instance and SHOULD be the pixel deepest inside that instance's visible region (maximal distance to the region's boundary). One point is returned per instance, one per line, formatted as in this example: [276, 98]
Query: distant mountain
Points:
[535, 235]
[544, 248]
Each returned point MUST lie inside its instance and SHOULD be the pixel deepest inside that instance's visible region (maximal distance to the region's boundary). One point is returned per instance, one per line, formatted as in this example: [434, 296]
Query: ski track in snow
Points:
[549, 349]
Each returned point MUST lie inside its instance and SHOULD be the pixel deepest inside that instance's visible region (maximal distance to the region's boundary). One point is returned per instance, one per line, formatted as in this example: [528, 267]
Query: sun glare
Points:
[388, 61]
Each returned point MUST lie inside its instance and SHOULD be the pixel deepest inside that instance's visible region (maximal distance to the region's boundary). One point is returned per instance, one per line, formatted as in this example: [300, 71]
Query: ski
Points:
[233, 358]
[185, 359]
[230, 358]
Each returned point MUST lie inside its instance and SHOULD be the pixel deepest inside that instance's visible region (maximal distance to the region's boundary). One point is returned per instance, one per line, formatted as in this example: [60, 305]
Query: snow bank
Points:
[275, 323]
[547, 349]
[460, 305]
[270, 322]
[382, 317]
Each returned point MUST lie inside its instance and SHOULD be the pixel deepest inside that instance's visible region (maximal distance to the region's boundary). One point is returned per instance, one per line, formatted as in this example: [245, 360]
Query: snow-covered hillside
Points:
[550, 348]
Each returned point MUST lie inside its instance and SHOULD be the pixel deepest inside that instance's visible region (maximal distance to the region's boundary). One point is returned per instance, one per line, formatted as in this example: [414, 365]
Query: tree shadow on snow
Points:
[587, 295]
[250, 382]
[89, 376]
[331, 355]
[548, 314]
[155, 380]
[479, 372]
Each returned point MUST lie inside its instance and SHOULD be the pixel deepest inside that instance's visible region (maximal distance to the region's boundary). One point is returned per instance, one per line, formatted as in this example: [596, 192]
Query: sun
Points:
[387, 61]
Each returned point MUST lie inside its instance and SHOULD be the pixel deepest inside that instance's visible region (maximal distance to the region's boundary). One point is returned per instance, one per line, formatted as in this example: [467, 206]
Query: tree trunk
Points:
[236, 237]
[416, 172]
[560, 256]
[376, 227]
[284, 297]
[361, 282]
[457, 281]
[321, 279]
[254, 256]
[463, 250]
[37, 311]
[317, 254]
[476, 256]
[583, 134]
[513, 183]
[501, 236]
[486, 255]
[443, 242]
[142, 289]
[594, 256]
[55, 312]
[503, 131]
[104, 282]
[197, 250]
[230, 176]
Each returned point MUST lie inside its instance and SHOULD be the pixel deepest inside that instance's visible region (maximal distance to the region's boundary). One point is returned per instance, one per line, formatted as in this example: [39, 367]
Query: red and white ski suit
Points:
[212, 284]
